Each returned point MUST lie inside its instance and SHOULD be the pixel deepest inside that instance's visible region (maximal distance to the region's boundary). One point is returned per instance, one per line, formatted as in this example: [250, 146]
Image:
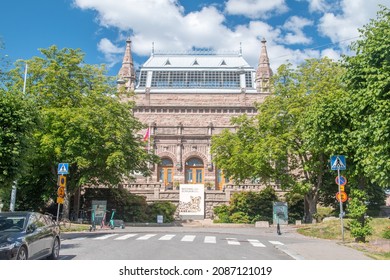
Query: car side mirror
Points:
[31, 228]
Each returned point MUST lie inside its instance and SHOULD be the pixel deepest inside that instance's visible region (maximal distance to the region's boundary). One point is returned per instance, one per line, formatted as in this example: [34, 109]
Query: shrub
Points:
[239, 218]
[323, 212]
[222, 213]
[360, 224]
[166, 209]
[386, 233]
[247, 207]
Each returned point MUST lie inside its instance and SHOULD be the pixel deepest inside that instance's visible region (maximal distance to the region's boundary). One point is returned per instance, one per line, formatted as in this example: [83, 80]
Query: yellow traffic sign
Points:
[60, 200]
[342, 188]
[341, 196]
[62, 180]
[61, 192]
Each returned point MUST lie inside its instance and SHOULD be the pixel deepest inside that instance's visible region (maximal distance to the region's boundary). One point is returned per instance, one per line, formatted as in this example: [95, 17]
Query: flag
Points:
[147, 134]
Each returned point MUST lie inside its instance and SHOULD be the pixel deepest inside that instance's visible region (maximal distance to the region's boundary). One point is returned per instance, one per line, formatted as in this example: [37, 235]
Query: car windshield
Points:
[15, 223]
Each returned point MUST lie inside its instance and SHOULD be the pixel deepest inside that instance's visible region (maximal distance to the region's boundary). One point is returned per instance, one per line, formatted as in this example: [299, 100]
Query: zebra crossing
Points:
[208, 239]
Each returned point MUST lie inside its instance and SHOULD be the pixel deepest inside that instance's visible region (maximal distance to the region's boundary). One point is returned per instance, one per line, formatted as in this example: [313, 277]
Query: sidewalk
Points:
[298, 246]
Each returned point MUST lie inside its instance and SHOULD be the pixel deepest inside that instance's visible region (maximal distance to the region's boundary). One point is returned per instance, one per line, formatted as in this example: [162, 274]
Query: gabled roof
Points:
[188, 60]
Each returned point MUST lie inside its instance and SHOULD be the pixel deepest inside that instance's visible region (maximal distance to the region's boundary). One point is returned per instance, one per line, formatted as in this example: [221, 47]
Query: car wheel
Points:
[55, 251]
[22, 254]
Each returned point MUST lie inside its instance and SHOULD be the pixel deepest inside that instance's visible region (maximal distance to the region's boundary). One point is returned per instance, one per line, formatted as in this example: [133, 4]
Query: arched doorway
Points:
[165, 171]
[194, 171]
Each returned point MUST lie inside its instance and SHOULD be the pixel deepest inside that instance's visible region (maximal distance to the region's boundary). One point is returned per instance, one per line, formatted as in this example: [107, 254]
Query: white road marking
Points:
[188, 238]
[126, 236]
[210, 239]
[276, 242]
[256, 243]
[232, 241]
[146, 237]
[106, 236]
[167, 237]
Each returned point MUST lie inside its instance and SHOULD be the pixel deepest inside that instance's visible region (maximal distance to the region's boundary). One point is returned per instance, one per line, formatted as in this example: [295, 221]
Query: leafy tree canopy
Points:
[368, 81]
[83, 122]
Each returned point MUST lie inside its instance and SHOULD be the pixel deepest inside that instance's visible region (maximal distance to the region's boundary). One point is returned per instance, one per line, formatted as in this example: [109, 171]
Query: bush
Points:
[166, 209]
[222, 213]
[239, 218]
[360, 224]
[386, 233]
[323, 212]
[247, 207]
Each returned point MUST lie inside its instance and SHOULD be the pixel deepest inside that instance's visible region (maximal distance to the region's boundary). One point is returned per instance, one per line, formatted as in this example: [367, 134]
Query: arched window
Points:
[165, 171]
[194, 162]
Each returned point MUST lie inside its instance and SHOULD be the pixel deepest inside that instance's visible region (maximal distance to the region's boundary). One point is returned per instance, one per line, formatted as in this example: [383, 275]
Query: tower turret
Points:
[127, 73]
[264, 71]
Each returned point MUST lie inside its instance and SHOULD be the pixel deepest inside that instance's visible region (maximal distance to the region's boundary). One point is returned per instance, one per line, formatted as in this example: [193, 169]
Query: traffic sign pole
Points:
[58, 207]
[341, 206]
[63, 169]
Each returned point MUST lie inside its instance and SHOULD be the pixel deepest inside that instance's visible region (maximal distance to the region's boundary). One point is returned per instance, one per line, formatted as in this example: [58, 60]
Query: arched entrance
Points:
[194, 171]
[165, 171]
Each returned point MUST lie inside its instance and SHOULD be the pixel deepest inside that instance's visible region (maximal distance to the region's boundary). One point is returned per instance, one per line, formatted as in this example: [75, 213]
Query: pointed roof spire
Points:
[264, 71]
[127, 73]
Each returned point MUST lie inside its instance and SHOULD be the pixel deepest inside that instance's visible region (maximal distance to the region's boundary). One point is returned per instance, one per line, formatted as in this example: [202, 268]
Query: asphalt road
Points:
[201, 243]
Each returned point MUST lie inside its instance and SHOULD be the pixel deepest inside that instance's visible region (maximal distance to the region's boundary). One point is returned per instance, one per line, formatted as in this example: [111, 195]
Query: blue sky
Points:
[294, 29]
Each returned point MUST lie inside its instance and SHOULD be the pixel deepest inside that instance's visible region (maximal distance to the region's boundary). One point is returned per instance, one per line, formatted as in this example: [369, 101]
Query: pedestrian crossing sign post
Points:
[338, 163]
[63, 168]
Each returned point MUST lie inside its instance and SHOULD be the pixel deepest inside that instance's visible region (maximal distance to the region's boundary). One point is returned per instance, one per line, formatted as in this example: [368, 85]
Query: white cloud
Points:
[111, 52]
[296, 25]
[256, 8]
[331, 53]
[106, 46]
[343, 26]
[170, 27]
[322, 5]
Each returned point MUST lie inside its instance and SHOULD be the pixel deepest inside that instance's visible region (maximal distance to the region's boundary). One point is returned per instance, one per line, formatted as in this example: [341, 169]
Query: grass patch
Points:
[76, 228]
[376, 247]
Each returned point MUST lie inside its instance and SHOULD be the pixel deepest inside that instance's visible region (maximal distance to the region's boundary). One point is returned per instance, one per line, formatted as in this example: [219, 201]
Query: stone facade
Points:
[183, 115]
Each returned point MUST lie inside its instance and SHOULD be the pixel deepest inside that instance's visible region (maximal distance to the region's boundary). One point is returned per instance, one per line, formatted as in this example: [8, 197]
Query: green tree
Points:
[293, 135]
[359, 225]
[84, 123]
[368, 81]
[17, 120]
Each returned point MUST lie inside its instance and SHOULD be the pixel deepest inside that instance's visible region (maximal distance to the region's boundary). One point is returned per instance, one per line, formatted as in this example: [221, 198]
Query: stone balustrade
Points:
[157, 192]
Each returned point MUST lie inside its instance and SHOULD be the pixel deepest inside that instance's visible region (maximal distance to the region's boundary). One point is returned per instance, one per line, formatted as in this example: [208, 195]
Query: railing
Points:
[231, 187]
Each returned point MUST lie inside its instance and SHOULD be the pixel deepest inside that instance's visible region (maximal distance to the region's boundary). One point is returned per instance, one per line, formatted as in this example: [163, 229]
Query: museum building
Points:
[185, 98]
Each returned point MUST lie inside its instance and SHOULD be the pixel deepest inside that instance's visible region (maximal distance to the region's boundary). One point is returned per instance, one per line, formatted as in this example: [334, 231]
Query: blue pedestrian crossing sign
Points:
[63, 168]
[338, 163]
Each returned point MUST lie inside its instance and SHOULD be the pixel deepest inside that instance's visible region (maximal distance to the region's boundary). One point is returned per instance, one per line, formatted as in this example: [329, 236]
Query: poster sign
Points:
[191, 201]
[280, 213]
[99, 207]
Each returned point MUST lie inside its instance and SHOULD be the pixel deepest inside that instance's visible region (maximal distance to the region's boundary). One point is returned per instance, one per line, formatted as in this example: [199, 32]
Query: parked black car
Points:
[28, 235]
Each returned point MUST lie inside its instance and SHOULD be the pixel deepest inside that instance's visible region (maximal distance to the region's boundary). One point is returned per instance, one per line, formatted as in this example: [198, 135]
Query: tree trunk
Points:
[65, 207]
[310, 207]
